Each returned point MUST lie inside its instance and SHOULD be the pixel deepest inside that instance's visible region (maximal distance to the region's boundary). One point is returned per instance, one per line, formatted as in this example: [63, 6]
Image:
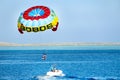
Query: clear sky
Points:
[80, 21]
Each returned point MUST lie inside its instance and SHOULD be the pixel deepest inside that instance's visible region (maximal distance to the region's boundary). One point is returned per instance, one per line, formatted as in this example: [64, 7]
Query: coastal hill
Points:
[61, 44]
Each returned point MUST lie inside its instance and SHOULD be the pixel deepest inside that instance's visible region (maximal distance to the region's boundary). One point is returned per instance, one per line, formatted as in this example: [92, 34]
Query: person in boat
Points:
[53, 68]
[44, 56]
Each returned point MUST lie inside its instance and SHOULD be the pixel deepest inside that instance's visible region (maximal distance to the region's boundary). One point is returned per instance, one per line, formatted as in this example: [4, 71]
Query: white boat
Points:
[55, 73]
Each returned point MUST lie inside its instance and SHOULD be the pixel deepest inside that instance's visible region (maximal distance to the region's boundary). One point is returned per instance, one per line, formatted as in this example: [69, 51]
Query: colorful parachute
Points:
[37, 18]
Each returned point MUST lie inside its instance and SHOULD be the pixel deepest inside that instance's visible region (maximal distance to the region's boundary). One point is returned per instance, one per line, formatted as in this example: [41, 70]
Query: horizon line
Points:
[63, 44]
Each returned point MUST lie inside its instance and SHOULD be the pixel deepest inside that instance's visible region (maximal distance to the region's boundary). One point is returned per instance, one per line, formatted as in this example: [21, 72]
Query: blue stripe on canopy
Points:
[36, 12]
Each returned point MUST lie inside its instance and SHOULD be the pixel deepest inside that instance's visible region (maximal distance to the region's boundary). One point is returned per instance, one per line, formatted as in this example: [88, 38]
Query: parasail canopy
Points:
[37, 18]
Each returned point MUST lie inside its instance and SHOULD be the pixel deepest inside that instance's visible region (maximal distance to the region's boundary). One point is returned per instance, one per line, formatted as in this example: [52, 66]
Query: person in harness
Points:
[44, 56]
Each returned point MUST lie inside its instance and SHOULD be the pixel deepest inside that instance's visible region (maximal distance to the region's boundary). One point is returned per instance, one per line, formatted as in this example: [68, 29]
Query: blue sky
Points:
[80, 21]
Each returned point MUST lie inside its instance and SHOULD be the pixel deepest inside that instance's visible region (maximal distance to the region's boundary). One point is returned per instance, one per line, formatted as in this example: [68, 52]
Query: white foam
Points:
[46, 78]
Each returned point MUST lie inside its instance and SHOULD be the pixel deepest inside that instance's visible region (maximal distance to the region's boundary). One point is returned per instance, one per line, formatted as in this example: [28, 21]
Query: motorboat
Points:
[55, 73]
[51, 75]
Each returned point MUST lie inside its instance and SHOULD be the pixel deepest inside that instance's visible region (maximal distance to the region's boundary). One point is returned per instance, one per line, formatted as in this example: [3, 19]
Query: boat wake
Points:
[73, 78]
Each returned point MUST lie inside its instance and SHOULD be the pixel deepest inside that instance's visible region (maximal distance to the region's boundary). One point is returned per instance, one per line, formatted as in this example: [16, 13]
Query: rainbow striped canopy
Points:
[37, 18]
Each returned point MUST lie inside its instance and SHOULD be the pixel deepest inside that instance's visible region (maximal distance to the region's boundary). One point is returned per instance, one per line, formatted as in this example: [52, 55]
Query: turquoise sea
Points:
[76, 62]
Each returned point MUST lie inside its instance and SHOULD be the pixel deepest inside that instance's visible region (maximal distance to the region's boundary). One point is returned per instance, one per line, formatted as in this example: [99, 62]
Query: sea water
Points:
[77, 63]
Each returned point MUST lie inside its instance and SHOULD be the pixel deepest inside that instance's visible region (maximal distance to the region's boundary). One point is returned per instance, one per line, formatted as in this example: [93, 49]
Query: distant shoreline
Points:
[63, 44]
